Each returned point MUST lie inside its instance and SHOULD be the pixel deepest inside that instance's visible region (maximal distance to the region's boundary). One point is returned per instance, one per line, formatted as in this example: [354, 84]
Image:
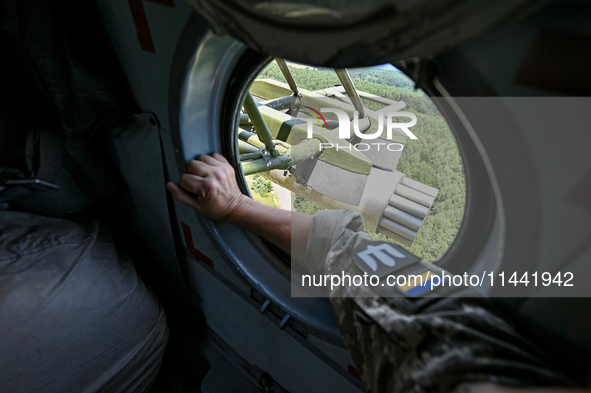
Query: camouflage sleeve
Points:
[333, 232]
[422, 344]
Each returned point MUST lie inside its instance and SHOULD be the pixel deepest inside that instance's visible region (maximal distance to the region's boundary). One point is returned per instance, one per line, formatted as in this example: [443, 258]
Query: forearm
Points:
[288, 230]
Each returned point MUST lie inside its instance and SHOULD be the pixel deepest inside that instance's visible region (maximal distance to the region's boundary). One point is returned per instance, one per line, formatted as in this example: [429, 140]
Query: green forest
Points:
[432, 159]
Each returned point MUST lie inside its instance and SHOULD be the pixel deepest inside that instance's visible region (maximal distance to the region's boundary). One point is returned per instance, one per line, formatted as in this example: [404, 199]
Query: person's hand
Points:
[210, 187]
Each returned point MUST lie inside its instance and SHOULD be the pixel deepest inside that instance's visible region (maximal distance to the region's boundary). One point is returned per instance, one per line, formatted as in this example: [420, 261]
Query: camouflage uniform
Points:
[421, 344]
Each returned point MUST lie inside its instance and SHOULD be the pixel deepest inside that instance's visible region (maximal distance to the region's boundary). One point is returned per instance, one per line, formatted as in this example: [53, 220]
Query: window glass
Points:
[432, 159]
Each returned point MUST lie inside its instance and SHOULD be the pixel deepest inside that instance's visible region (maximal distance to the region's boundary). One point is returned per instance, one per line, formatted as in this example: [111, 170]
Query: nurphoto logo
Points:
[385, 118]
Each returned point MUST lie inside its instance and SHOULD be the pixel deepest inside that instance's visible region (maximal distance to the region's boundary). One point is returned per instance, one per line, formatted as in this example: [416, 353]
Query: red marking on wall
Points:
[353, 371]
[191, 246]
[141, 22]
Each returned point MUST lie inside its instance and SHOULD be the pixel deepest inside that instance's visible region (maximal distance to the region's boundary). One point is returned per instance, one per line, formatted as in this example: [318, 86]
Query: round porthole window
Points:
[210, 115]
